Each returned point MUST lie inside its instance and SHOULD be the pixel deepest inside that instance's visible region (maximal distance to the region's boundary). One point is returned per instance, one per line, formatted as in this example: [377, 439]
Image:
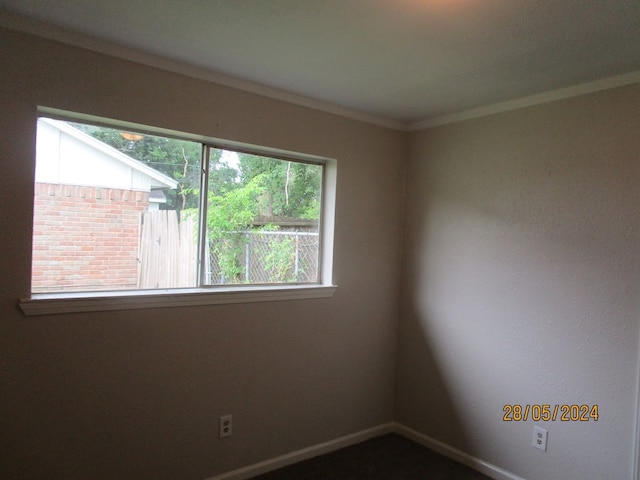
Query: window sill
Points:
[49, 304]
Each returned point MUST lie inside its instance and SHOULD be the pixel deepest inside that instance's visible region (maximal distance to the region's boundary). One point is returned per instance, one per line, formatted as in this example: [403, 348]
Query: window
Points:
[124, 210]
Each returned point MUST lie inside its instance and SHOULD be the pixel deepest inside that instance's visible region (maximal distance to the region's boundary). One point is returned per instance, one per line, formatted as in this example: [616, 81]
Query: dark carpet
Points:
[386, 457]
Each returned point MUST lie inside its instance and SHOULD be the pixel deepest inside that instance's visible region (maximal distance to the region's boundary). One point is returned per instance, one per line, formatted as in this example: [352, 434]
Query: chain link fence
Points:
[263, 256]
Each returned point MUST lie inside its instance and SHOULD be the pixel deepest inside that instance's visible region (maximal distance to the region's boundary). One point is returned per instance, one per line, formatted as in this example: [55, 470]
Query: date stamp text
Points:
[550, 413]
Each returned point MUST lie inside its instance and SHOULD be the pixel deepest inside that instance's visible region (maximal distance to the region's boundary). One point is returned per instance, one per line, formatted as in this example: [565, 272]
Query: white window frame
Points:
[94, 301]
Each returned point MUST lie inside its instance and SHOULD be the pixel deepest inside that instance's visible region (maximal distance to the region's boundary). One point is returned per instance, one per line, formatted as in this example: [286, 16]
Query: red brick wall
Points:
[85, 238]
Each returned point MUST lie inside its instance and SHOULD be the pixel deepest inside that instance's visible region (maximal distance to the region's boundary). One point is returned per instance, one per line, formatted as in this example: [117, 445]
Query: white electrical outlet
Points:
[226, 426]
[540, 438]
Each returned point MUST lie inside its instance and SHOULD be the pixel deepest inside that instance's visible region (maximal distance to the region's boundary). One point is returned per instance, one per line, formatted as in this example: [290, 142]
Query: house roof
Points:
[158, 179]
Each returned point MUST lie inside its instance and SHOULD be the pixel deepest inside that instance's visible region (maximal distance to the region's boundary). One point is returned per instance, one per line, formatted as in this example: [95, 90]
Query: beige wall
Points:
[136, 394]
[522, 283]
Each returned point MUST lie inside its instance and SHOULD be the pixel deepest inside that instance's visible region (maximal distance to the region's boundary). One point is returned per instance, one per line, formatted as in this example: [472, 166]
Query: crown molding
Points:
[31, 26]
[553, 95]
[28, 25]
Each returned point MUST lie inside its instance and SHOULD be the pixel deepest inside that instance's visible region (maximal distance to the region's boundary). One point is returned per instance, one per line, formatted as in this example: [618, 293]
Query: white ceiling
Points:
[400, 60]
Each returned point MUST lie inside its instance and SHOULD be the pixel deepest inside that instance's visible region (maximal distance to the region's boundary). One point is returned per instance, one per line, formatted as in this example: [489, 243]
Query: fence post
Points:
[247, 262]
[297, 258]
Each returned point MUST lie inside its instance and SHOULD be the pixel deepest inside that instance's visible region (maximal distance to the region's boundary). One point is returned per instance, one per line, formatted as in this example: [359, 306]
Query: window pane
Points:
[113, 210]
[263, 217]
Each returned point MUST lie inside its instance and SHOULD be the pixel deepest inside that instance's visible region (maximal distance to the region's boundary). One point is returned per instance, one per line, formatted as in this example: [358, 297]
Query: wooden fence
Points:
[168, 251]
[168, 254]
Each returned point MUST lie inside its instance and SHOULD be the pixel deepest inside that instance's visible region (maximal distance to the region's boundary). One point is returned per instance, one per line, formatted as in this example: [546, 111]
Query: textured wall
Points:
[136, 394]
[521, 283]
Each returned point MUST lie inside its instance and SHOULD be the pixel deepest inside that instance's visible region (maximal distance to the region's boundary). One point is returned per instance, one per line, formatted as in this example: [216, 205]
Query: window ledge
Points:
[54, 303]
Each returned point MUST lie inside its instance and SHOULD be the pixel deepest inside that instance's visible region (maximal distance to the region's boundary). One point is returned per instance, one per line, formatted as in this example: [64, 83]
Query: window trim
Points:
[81, 302]
[95, 301]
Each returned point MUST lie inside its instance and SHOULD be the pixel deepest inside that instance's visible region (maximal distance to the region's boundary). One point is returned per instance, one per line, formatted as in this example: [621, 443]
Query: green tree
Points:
[240, 189]
[178, 159]
[292, 189]
[228, 214]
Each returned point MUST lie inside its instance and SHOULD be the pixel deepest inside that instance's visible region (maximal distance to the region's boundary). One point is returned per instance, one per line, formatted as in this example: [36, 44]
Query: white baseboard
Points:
[305, 453]
[454, 454]
[481, 466]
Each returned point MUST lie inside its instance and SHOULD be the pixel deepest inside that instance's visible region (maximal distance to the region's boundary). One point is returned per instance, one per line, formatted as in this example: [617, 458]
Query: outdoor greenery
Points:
[242, 187]
[278, 261]
[177, 159]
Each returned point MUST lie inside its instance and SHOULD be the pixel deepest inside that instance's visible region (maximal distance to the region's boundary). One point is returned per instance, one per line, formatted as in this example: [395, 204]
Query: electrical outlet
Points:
[540, 438]
[226, 426]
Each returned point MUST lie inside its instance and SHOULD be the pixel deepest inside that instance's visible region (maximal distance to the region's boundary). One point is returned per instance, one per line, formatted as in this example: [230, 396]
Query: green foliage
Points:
[270, 188]
[228, 251]
[228, 214]
[235, 209]
[222, 177]
[239, 191]
[279, 261]
[292, 188]
[312, 211]
[178, 159]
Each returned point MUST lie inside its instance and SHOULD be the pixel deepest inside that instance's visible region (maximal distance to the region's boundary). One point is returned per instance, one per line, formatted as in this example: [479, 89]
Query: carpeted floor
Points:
[386, 457]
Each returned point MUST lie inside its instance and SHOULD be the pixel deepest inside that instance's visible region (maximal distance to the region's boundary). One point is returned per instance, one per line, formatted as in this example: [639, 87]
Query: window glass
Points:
[122, 210]
[262, 220]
